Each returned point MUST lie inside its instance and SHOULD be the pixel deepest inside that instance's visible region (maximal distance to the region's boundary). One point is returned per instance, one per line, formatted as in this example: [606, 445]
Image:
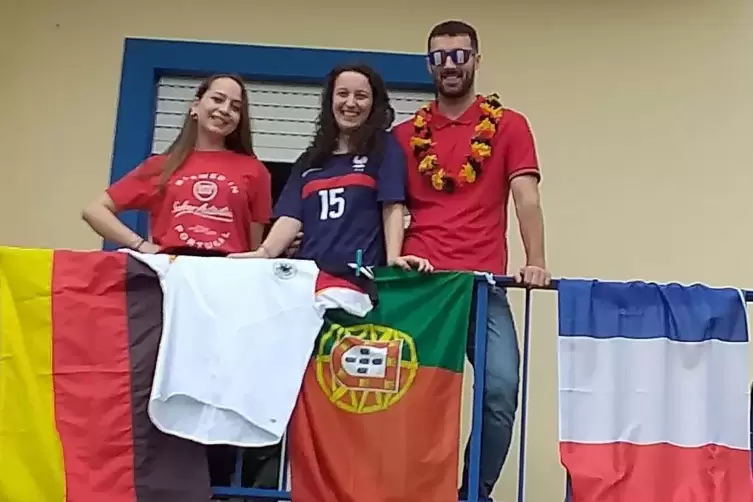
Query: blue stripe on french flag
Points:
[641, 310]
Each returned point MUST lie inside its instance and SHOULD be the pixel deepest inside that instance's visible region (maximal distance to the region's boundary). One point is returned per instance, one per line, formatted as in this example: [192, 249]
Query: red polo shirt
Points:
[466, 229]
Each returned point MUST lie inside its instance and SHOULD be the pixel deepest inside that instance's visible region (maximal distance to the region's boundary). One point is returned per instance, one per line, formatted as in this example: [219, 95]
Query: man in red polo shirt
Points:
[466, 154]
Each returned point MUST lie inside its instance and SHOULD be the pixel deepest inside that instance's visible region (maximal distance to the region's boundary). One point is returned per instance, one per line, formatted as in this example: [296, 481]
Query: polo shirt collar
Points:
[470, 116]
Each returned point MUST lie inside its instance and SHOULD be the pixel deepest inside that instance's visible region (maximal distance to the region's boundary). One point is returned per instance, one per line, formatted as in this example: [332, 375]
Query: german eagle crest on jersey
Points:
[284, 270]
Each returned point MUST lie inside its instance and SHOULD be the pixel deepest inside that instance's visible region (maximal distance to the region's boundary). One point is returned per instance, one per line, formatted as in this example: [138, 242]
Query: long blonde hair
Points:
[238, 141]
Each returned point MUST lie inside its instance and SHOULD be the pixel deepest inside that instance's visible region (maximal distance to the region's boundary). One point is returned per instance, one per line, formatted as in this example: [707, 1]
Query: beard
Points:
[454, 83]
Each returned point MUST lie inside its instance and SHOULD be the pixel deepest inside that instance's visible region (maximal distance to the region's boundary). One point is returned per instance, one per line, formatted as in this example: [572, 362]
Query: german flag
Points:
[79, 333]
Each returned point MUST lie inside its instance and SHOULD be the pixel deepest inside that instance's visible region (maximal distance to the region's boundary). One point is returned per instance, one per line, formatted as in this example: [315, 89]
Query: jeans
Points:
[500, 391]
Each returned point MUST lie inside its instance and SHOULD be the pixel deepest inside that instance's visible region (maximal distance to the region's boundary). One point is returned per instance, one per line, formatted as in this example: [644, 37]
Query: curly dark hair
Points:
[367, 139]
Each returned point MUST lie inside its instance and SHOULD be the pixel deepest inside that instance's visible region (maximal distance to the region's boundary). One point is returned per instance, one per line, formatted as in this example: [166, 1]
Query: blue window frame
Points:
[145, 61]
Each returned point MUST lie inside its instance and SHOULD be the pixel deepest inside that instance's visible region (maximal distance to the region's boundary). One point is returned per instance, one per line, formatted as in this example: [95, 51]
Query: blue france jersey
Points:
[340, 204]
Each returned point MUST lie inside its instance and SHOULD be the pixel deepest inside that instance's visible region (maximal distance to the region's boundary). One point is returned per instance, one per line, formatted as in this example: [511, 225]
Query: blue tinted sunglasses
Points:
[457, 56]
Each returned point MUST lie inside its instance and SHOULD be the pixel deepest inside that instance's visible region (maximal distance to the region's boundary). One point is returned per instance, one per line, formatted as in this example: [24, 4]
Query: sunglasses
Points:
[457, 56]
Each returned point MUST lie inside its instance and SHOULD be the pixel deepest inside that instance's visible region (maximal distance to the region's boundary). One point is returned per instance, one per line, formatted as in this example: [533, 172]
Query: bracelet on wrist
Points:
[137, 247]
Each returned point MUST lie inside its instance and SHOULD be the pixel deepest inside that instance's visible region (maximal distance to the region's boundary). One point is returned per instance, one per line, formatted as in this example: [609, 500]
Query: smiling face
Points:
[453, 63]
[219, 110]
[352, 99]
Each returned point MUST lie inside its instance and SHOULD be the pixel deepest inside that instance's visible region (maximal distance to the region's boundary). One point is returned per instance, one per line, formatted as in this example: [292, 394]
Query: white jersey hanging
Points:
[236, 340]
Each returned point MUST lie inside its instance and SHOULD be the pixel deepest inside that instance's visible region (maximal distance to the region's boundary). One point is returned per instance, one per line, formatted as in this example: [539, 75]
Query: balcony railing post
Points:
[282, 475]
[479, 371]
[524, 397]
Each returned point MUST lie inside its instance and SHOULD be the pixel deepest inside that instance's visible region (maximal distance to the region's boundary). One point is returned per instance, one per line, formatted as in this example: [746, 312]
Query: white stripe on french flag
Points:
[654, 392]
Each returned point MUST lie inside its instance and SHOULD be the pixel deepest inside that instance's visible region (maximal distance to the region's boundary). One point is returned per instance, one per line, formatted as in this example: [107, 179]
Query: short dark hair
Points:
[454, 29]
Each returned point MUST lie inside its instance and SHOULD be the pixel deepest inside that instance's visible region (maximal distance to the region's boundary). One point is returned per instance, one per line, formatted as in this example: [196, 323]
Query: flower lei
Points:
[481, 147]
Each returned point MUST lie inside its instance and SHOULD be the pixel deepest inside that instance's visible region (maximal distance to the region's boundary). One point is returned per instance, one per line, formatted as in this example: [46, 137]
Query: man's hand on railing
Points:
[533, 276]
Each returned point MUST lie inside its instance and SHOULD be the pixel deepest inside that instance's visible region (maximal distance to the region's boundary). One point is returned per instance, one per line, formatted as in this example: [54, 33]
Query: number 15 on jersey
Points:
[332, 203]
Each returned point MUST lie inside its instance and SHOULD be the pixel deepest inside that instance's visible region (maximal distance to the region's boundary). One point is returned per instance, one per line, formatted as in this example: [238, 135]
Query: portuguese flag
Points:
[79, 333]
[378, 417]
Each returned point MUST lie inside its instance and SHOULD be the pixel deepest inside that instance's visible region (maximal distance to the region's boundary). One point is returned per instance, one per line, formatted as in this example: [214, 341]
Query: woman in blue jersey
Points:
[348, 189]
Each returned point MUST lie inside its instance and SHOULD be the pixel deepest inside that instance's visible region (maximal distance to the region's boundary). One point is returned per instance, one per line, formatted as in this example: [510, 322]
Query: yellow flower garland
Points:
[481, 148]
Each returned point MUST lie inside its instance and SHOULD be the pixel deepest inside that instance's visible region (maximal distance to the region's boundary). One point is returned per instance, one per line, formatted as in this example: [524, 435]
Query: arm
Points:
[522, 169]
[289, 220]
[100, 216]
[280, 236]
[391, 183]
[137, 190]
[525, 194]
[392, 219]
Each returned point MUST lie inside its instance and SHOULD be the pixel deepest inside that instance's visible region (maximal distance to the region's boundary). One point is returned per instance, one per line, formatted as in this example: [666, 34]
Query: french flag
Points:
[653, 389]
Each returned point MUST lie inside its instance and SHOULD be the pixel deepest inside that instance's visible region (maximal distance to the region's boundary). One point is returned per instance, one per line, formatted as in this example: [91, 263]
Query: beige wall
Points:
[642, 111]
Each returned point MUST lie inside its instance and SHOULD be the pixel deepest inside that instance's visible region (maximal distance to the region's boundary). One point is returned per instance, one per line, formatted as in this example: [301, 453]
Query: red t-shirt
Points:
[466, 229]
[209, 203]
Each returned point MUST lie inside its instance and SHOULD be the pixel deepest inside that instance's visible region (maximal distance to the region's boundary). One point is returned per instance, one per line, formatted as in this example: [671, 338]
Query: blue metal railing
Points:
[482, 303]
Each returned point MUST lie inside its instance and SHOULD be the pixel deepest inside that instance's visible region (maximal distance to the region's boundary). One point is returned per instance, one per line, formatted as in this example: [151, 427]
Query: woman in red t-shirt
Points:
[207, 194]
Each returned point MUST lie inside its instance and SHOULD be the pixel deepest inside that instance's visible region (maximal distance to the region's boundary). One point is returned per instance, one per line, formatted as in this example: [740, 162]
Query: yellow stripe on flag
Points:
[31, 456]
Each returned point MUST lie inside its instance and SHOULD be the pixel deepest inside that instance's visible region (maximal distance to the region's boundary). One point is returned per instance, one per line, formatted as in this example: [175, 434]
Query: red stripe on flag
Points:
[91, 375]
[625, 472]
